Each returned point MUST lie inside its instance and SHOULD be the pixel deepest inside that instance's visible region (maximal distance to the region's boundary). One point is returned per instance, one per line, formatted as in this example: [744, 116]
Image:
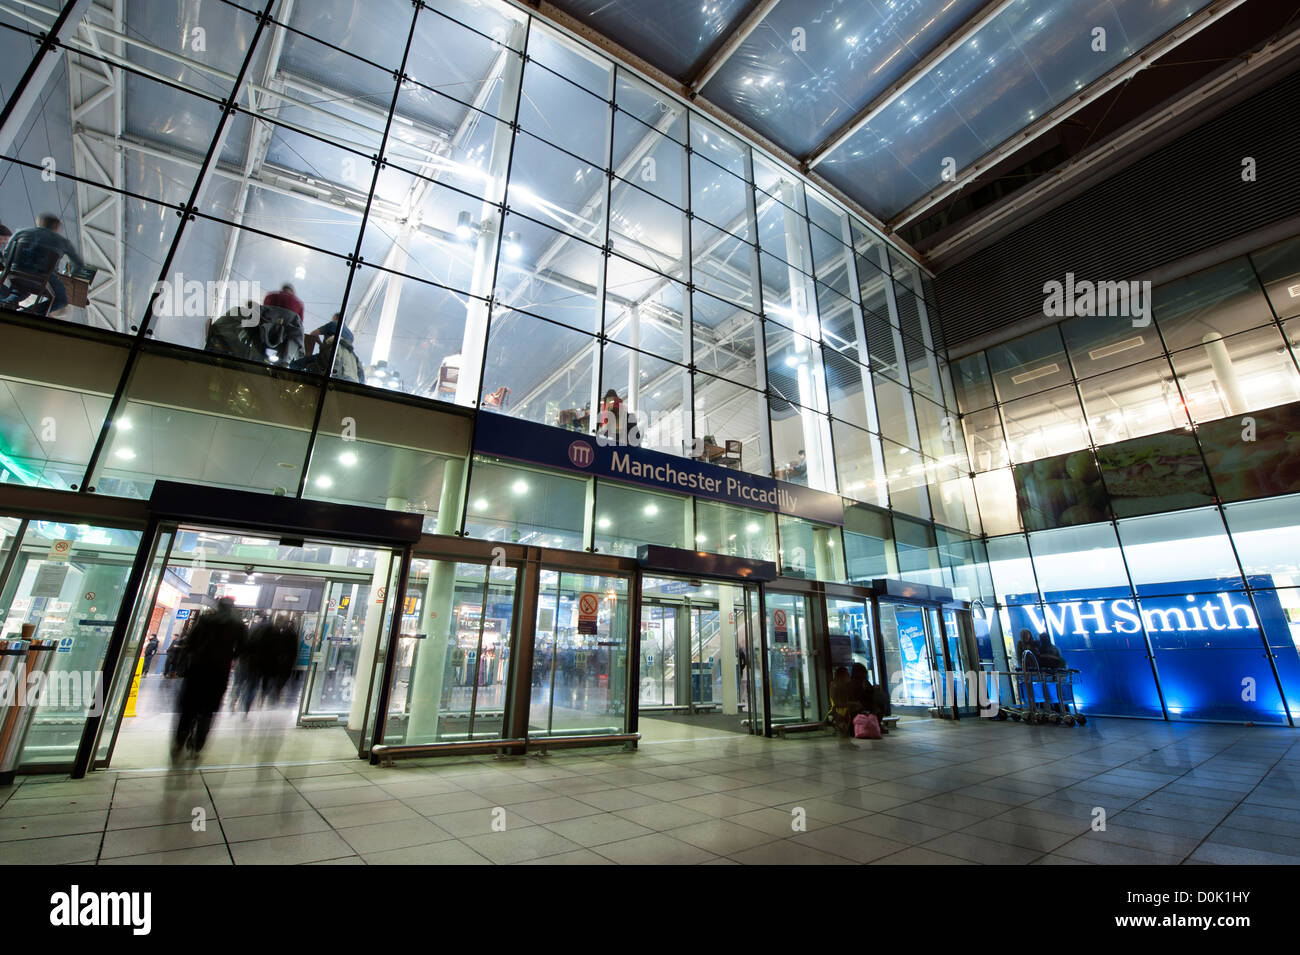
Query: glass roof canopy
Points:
[811, 66]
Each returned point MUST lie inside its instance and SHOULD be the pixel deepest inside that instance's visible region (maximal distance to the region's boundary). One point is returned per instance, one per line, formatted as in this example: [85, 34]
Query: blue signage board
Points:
[1208, 644]
[505, 437]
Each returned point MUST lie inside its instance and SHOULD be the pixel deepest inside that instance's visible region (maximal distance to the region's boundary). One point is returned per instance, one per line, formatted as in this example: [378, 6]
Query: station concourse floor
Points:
[931, 792]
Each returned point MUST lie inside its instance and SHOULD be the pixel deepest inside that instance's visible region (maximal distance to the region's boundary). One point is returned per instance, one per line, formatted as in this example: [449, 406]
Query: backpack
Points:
[866, 726]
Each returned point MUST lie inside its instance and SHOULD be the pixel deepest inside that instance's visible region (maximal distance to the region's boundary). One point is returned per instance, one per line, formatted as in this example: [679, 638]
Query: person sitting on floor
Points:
[841, 714]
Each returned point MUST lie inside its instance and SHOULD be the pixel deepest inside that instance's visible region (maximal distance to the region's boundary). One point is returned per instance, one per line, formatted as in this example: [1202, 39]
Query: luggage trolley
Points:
[1044, 695]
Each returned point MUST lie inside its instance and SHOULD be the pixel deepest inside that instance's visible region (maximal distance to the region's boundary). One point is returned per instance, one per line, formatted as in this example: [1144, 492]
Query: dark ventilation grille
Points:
[1184, 198]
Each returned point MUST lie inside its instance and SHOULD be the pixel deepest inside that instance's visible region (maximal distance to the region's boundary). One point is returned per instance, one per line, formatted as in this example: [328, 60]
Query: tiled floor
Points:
[931, 793]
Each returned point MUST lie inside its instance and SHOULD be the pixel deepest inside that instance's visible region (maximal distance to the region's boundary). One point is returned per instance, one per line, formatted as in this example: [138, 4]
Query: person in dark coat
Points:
[212, 646]
[868, 697]
[150, 649]
[278, 652]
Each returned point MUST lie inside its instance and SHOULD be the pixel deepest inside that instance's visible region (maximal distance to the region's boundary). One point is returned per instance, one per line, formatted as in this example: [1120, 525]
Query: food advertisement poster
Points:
[1254, 455]
[1061, 491]
[1154, 473]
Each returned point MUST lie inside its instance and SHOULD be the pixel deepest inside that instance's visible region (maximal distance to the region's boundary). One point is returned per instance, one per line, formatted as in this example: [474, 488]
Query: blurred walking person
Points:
[212, 646]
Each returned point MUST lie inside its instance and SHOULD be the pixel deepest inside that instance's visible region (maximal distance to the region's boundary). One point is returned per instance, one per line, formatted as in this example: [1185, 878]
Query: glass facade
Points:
[1133, 480]
[318, 293]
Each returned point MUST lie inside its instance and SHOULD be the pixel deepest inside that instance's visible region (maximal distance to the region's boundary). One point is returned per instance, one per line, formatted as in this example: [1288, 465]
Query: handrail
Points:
[560, 742]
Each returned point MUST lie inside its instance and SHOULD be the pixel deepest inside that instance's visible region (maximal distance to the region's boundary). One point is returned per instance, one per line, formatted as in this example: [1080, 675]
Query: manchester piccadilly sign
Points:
[505, 437]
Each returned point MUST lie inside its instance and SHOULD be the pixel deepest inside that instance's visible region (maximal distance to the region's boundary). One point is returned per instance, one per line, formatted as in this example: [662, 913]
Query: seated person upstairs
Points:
[842, 710]
[320, 345]
[799, 469]
[36, 252]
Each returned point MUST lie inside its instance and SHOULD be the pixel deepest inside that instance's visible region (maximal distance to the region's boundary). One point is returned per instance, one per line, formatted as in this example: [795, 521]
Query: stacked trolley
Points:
[1043, 695]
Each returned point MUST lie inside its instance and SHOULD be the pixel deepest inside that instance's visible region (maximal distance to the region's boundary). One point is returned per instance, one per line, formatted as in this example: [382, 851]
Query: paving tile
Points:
[364, 814]
[916, 855]
[448, 852]
[654, 849]
[1104, 852]
[598, 830]
[518, 845]
[57, 850]
[965, 845]
[553, 809]
[52, 824]
[269, 825]
[197, 855]
[853, 844]
[130, 842]
[787, 852]
[721, 836]
[381, 836]
[291, 850]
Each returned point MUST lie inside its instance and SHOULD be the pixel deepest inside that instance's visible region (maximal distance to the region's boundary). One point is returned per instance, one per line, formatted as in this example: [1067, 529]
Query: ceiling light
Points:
[481, 504]
[651, 510]
[325, 481]
[513, 249]
[519, 487]
[700, 538]
[752, 528]
[603, 523]
[464, 228]
[126, 454]
[123, 424]
[300, 272]
[348, 458]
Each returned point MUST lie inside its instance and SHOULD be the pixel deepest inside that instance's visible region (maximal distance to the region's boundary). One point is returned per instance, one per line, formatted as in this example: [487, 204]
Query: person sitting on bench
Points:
[866, 697]
[30, 258]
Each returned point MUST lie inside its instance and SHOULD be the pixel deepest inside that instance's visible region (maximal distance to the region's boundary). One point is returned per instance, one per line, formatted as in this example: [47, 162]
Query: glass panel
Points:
[1232, 376]
[1279, 270]
[1264, 534]
[658, 654]
[549, 274]
[649, 105]
[552, 186]
[1179, 553]
[868, 544]
[645, 158]
[794, 368]
[1076, 562]
[54, 395]
[894, 411]
[453, 661]
[794, 689]
[554, 109]
[726, 340]
[1012, 570]
[723, 265]
[729, 423]
[1045, 424]
[984, 441]
[1134, 401]
[525, 507]
[645, 310]
[720, 197]
[860, 464]
[850, 393]
[1098, 346]
[73, 598]
[627, 517]
[1213, 304]
[851, 636]
[392, 456]
[801, 446]
[810, 551]
[546, 369]
[718, 146]
[654, 393]
[996, 493]
[646, 229]
[905, 472]
[1030, 364]
[737, 531]
[973, 384]
[195, 421]
[580, 657]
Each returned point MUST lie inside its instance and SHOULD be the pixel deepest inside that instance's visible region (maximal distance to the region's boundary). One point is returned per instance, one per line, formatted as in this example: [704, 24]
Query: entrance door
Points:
[696, 651]
[314, 615]
[794, 692]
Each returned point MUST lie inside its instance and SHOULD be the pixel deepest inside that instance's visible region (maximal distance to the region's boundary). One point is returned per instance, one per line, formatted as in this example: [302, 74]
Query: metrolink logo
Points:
[1070, 299]
[61, 690]
[1124, 616]
[76, 908]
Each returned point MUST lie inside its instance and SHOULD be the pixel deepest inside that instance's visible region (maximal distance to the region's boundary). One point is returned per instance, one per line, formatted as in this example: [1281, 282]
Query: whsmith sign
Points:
[505, 437]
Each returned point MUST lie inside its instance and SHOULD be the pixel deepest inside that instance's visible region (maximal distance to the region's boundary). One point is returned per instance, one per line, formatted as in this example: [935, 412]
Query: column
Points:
[727, 621]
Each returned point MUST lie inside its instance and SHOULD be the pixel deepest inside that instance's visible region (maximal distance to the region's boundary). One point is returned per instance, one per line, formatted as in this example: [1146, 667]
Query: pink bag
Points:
[866, 726]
